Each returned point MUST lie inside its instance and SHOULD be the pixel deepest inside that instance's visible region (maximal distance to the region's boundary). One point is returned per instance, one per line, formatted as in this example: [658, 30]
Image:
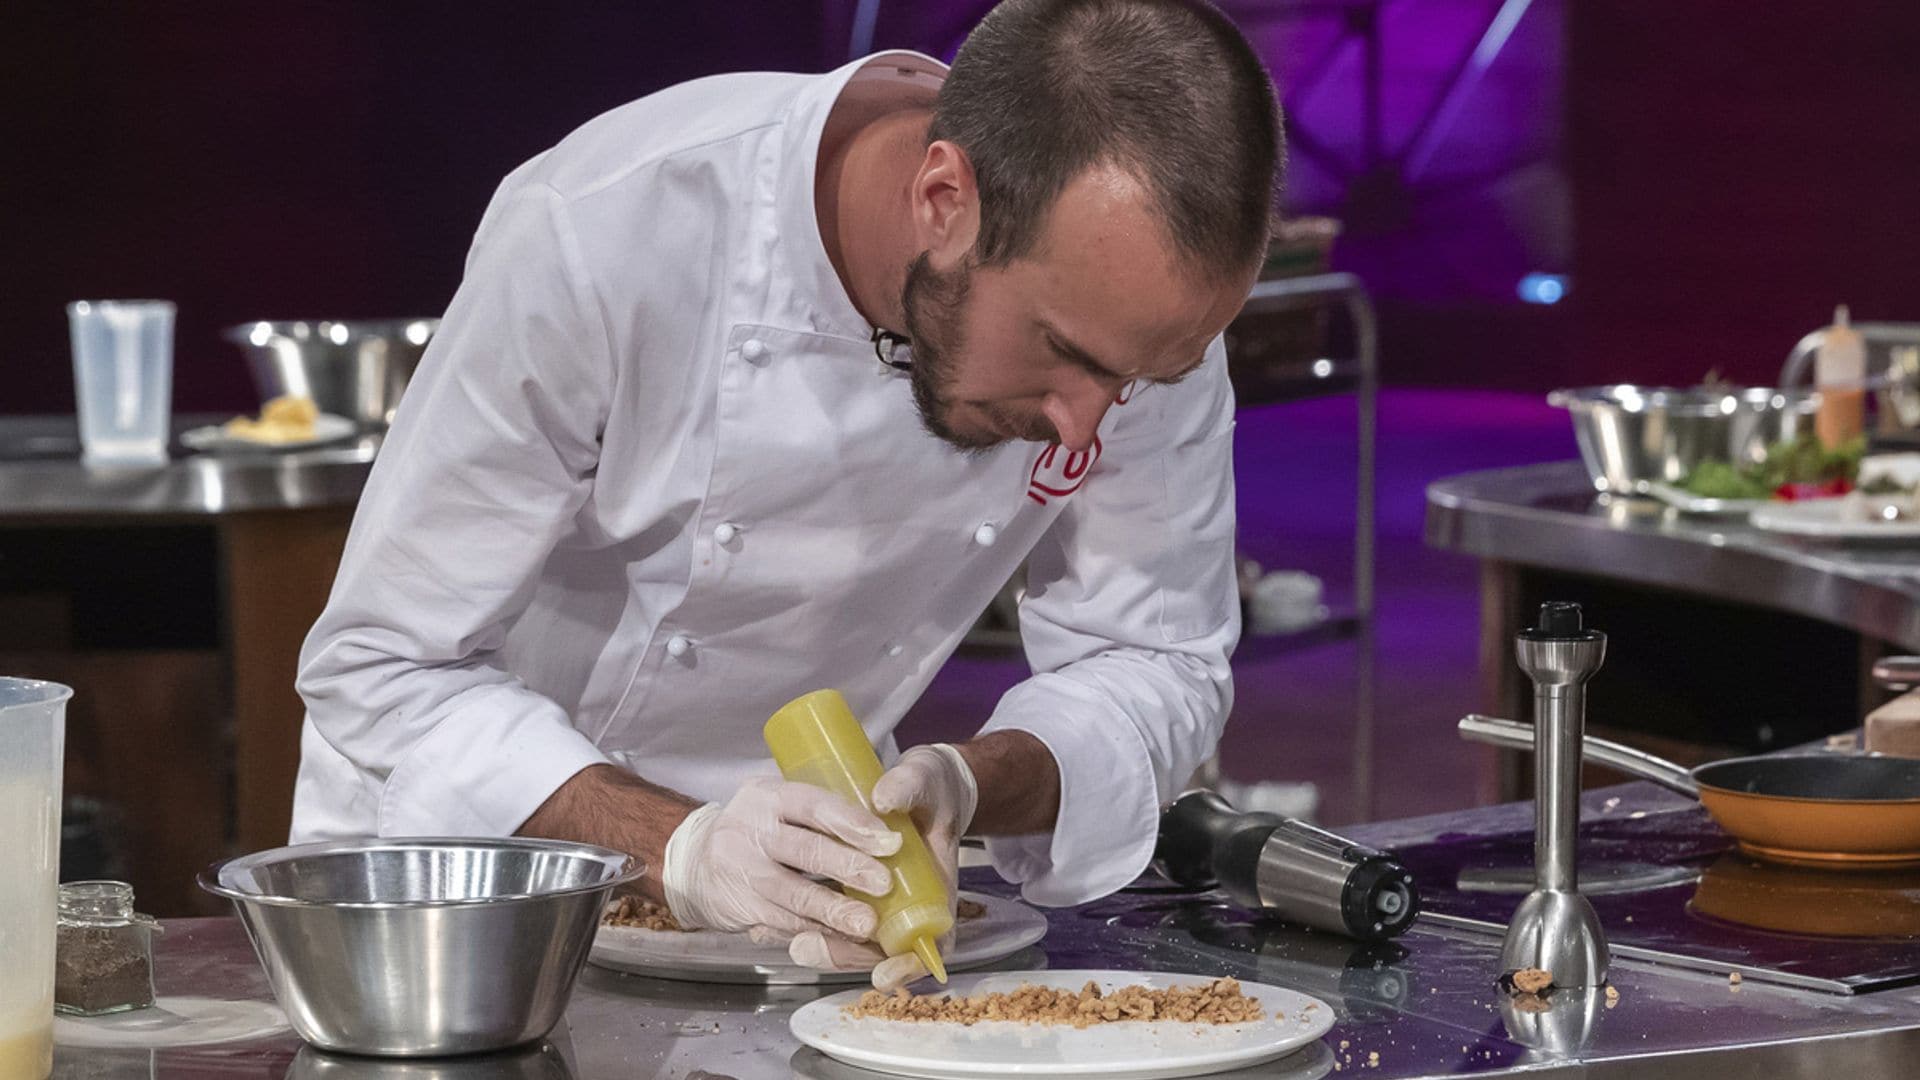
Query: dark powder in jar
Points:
[102, 969]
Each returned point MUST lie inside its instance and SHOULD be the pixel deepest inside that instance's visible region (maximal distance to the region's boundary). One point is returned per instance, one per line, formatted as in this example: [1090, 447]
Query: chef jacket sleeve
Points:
[1130, 615]
[491, 455]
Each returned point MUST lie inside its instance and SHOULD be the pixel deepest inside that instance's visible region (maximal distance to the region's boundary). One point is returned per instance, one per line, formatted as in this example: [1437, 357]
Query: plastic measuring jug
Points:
[815, 740]
[33, 718]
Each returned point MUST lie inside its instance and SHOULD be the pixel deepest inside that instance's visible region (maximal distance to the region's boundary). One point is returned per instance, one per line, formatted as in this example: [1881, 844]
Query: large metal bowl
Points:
[421, 948]
[1632, 437]
[354, 368]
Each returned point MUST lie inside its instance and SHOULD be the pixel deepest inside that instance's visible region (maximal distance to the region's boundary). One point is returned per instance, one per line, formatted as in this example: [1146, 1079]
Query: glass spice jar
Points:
[103, 956]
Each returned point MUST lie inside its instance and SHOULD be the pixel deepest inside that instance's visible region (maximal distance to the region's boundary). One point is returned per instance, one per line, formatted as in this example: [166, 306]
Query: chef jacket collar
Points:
[799, 251]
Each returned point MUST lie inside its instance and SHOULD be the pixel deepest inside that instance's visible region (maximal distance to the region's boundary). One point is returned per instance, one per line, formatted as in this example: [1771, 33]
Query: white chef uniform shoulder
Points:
[646, 487]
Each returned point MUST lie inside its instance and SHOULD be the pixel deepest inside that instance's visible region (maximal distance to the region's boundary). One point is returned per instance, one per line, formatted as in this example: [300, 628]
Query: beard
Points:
[934, 304]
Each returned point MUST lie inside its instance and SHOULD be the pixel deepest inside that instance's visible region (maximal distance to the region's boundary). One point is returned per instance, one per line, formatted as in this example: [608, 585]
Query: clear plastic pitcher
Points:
[123, 378]
[33, 724]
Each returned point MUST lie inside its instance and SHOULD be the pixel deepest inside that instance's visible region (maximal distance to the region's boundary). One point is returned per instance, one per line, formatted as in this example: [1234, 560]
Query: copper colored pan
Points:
[1839, 811]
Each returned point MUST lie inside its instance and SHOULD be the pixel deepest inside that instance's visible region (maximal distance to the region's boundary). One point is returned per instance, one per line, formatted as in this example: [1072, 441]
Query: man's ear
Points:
[946, 205]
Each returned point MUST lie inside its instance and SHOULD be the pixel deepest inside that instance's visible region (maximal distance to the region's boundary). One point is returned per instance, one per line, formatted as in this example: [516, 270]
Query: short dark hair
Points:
[1168, 90]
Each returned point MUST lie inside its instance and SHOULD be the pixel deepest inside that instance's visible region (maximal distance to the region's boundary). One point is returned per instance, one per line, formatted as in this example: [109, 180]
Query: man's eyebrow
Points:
[1078, 355]
[1182, 373]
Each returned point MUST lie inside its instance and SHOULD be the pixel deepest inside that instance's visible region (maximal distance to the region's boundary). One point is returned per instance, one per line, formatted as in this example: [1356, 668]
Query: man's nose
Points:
[1076, 413]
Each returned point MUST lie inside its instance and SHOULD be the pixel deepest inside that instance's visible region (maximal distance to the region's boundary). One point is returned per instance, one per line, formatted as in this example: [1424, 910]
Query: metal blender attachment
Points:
[1303, 874]
[1555, 929]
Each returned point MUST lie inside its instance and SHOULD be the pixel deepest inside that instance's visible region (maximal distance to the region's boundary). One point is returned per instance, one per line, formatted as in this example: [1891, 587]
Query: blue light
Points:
[1542, 288]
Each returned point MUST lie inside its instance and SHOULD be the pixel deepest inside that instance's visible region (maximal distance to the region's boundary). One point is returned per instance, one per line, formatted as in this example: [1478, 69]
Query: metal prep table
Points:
[263, 535]
[1426, 1004]
[1745, 641]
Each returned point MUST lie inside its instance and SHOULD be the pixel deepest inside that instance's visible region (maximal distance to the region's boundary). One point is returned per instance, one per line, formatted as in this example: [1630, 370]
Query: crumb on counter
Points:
[1532, 980]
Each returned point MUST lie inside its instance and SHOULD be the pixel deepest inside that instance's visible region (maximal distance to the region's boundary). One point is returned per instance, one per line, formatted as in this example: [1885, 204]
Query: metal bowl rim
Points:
[628, 868]
[1679, 399]
[239, 333]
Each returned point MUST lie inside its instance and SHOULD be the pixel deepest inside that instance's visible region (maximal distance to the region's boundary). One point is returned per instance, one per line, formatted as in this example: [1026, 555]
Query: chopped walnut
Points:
[631, 911]
[1217, 1002]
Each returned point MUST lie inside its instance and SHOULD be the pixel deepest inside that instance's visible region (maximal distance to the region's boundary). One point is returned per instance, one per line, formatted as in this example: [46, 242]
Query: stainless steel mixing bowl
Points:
[1634, 436]
[422, 947]
[354, 368]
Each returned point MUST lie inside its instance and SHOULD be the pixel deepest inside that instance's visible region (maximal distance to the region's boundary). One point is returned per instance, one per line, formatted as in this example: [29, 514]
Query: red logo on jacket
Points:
[1058, 473]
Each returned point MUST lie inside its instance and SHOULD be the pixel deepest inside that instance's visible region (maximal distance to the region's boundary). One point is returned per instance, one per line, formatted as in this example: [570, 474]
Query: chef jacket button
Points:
[753, 348]
[724, 532]
[986, 534]
[677, 645]
[895, 650]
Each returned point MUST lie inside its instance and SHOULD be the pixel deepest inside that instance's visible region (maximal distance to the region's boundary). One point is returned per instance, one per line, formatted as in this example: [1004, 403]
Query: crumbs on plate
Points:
[1218, 1002]
[635, 913]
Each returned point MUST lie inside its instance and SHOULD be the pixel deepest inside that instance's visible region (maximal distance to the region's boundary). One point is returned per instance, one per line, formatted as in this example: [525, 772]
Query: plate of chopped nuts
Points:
[642, 938]
[1110, 1024]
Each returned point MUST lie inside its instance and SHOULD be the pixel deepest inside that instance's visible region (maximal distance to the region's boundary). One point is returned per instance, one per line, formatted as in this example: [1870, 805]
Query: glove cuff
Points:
[677, 865]
[970, 788]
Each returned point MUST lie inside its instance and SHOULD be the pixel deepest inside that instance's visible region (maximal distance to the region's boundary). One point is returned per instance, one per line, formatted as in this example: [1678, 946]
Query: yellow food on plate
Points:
[285, 419]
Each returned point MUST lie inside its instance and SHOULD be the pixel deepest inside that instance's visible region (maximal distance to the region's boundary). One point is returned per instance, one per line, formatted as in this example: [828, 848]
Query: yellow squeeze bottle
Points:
[815, 740]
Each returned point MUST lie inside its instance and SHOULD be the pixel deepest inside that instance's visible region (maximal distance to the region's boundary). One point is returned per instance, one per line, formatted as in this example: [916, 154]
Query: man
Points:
[651, 482]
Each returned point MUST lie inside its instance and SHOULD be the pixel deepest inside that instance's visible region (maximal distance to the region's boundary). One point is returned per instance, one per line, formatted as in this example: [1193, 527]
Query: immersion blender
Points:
[1303, 874]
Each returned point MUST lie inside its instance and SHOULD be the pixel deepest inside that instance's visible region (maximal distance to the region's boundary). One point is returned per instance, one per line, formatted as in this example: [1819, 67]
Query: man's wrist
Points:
[1018, 782]
[606, 805]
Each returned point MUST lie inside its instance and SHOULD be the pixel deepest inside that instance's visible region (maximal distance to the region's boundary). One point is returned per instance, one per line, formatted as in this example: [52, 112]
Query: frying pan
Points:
[1839, 811]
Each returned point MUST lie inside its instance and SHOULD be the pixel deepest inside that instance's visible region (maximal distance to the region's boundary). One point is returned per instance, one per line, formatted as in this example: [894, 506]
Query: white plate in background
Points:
[1830, 519]
[1687, 502]
[214, 439]
[1006, 927]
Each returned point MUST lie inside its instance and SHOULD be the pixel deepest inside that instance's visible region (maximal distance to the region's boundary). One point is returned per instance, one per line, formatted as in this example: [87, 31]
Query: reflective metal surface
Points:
[1548, 516]
[422, 947]
[354, 368]
[42, 478]
[1634, 436]
[1425, 1004]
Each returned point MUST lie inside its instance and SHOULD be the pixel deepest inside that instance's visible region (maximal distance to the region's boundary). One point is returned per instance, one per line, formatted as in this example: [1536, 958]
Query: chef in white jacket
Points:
[766, 383]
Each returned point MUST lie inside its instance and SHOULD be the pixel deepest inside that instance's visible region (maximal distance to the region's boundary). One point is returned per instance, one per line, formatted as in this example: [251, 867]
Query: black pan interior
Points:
[1817, 777]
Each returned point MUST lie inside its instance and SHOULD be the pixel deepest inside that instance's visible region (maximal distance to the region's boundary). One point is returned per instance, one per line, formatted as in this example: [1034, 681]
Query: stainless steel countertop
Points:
[43, 480]
[1426, 1004]
[1549, 516]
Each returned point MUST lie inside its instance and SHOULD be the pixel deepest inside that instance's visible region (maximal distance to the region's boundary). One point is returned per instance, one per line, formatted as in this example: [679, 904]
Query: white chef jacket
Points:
[650, 482]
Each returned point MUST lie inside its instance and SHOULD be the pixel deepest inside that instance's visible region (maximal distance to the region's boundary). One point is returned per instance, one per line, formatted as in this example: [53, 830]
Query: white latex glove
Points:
[741, 866]
[934, 785]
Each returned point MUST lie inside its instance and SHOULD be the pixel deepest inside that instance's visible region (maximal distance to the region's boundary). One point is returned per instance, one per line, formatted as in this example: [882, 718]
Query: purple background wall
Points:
[1712, 175]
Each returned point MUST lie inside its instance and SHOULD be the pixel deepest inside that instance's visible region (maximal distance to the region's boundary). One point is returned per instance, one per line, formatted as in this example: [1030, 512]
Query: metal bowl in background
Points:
[1634, 436]
[422, 947]
[349, 367]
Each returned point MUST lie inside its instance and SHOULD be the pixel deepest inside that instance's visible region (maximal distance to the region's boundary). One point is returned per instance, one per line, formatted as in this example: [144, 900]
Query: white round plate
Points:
[1139, 1050]
[1688, 503]
[1829, 519]
[327, 428]
[1006, 927]
[172, 1021]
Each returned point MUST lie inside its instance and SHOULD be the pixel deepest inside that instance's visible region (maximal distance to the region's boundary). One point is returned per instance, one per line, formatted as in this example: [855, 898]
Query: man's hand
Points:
[741, 866]
[936, 787]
